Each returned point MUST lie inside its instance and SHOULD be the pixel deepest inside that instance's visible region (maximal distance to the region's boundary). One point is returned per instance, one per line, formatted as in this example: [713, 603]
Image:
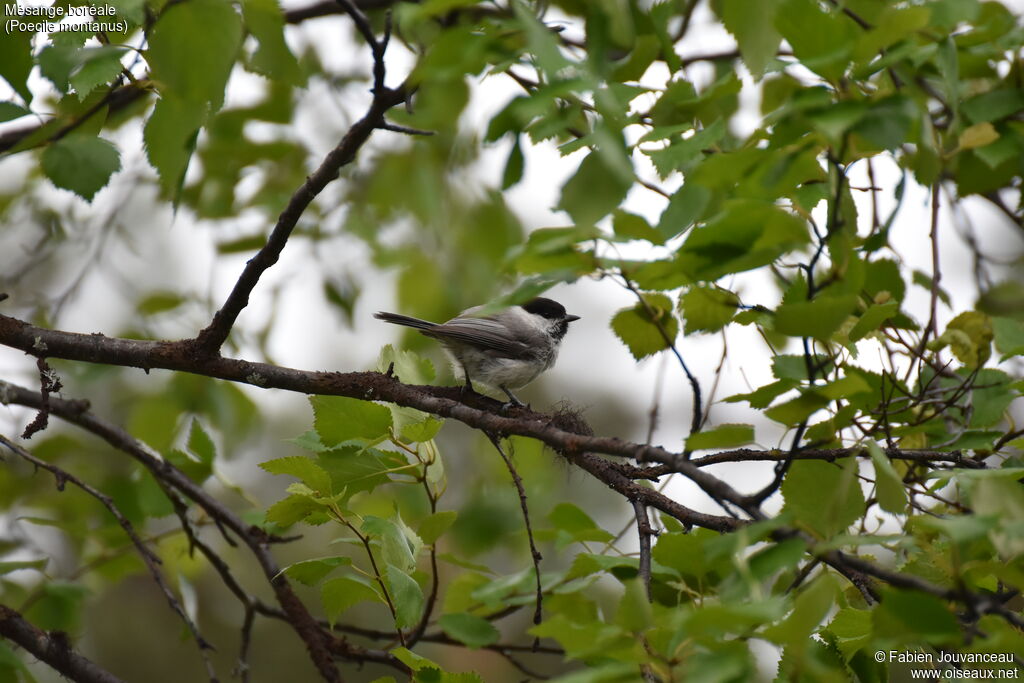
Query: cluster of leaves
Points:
[930, 90]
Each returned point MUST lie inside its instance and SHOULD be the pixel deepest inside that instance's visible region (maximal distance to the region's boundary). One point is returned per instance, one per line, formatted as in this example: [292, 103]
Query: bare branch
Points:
[534, 553]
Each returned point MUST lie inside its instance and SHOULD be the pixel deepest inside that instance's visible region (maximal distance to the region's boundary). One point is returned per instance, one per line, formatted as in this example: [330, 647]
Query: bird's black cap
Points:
[546, 308]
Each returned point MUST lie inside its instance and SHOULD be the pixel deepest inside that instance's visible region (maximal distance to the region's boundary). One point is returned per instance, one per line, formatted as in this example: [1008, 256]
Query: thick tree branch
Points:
[53, 648]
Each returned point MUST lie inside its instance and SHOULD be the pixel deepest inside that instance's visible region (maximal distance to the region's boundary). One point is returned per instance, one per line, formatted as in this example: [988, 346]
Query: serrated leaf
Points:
[170, 138]
[752, 24]
[872, 319]
[809, 609]
[830, 514]
[291, 509]
[892, 497]
[302, 468]
[200, 444]
[310, 572]
[707, 309]
[192, 48]
[340, 593]
[722, 436]
[469, 629]
[397, 548]
[339, 418]
[360, 469]
[272, 58]
[81, 164]
[97, 66]
[406, 595]
[643, 329]
[421, 431]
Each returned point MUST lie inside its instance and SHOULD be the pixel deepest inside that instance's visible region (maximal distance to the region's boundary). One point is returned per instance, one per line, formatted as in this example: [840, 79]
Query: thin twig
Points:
[534, 553]
[644, 530]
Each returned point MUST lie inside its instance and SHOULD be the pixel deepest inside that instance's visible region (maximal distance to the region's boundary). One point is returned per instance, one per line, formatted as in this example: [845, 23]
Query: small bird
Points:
[507, 350]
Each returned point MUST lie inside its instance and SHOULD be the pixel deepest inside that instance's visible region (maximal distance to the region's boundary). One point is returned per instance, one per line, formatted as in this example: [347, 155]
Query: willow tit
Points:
[506, 350]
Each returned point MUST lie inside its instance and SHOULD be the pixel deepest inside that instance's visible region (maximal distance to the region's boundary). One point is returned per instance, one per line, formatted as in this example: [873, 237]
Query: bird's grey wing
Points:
[483, 333]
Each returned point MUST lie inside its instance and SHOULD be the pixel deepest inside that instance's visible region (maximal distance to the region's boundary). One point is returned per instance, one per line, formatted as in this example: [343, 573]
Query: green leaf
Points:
[356, 469]
[434, 526]
[685, 207]
[406, 596]
[644, 329]
[398, 543]
[630, 226]
[852, 629]
[159, 302]
[200, 444]
[291, 509]
[892, 497]
[746, 234]
[762, 397]
[81, 164]
[795, 411]
[10, 111]
[722, 436]
[822, 39]
[15, 54]
[310, 572]
[826, 515]
[634, 610]
[809, 609]
[192, 48]
[752, 24]
[272, 58]
[969, 335]
[594, 190]
[340, 593]
[170, 138]
[339, 418]
[469, 629]
[707, 309]
[96, 66]
[56, 62]
[912, 616]
[1009, 336]
[421, 431]
[302, 468]
[872, 319]
[58, 606]
[817, 318]
[514, 166]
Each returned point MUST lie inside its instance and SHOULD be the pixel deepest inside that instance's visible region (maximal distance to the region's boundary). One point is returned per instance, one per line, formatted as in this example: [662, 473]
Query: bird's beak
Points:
[571, 318]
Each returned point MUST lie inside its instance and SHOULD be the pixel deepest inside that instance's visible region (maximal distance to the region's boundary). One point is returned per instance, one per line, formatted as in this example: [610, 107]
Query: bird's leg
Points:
[467, 388]
[512, 400]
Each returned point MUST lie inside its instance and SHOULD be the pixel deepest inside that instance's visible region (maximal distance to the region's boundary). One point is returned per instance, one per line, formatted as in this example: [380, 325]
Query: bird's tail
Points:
[398, 319]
